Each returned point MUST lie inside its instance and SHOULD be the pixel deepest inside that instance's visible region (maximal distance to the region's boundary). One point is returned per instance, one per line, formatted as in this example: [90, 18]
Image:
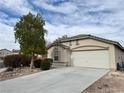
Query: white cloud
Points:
[9, 21]
[3, 15]
[60, 30]
[66, 7]
[80, 12]
[17, 6]
[7, 37]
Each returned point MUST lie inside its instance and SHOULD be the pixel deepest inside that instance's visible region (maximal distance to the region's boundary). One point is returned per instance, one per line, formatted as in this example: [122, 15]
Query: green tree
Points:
[30, 32]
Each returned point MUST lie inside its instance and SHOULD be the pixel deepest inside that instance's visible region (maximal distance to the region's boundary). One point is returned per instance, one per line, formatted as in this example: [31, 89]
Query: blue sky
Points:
[103, 18]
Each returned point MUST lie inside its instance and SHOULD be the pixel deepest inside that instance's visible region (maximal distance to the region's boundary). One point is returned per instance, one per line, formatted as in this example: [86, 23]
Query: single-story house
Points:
[87, 51]
[4, 52]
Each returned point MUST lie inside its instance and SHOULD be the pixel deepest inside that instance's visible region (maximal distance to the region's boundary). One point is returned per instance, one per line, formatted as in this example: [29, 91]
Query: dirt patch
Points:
[17, 72]
[113, 82]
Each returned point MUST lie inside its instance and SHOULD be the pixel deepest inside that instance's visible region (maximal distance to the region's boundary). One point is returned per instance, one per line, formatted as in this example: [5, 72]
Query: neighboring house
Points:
[87, 51]
[4, 52]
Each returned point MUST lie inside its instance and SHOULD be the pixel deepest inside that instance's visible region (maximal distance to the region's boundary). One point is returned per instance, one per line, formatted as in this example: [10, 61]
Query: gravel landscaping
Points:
[113, 82]
[17, 72]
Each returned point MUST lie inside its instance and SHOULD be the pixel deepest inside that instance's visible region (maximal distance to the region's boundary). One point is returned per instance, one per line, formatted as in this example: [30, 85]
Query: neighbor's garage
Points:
[94, 58]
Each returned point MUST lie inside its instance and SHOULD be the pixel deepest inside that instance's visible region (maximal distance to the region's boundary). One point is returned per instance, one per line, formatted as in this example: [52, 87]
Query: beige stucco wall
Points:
[87, 42]
[49, 54]
[119, 55]
[64, 54]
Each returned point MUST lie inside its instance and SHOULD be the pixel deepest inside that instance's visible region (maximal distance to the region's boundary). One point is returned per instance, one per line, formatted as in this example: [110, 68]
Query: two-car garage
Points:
[93, 58]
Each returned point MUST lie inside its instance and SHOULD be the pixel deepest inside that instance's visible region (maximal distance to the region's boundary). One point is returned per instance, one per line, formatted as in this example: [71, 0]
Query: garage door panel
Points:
[96, 59]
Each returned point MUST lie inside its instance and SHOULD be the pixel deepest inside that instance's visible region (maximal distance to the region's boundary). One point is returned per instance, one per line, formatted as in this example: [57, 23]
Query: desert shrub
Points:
[17, 61]
[46, 64]
[49, 60]
[37, 63]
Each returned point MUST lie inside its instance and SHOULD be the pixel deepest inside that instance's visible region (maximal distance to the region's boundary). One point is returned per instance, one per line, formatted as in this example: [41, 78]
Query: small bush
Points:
[50, 60]
[46, 64]
[37, 63]
[17, 61]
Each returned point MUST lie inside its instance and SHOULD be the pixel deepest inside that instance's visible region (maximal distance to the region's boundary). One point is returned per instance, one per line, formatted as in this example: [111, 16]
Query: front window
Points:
[70, 43]
[56, 54]
[56, 58]
[77, 43]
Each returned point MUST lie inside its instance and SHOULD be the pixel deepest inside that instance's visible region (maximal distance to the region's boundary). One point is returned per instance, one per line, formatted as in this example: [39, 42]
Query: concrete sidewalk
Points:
[64, 80]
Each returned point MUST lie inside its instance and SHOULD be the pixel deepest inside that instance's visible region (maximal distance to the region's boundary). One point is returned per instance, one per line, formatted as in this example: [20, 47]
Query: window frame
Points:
[56, 54]
[70, 43]
[77, 42]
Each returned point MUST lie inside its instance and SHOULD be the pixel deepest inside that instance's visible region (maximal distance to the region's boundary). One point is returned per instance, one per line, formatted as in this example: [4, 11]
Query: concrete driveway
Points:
[63, 80]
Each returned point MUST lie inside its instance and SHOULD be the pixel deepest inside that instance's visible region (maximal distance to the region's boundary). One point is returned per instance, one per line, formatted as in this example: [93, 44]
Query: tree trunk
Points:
[32, 62]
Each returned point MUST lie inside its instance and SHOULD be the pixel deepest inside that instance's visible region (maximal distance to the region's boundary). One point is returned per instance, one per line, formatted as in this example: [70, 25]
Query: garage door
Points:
[95, 59]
